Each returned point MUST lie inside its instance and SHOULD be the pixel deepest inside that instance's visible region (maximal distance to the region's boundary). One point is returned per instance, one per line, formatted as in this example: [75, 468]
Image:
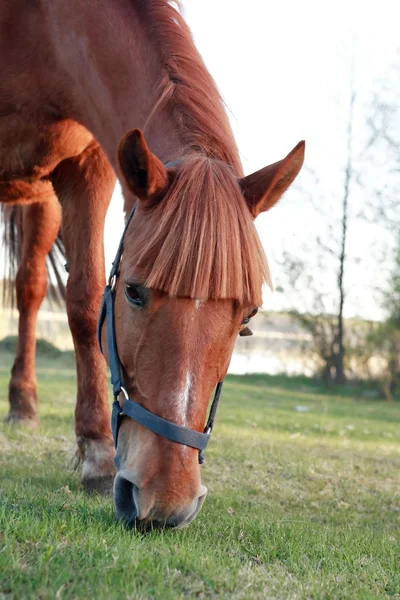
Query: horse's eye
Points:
[250, 316]
[132, 292]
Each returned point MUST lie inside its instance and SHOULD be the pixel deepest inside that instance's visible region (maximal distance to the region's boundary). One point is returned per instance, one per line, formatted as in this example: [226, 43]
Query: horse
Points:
[100, 90]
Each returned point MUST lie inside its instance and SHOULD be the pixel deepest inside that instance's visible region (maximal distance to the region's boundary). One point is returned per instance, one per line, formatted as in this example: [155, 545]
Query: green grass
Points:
[300, 504]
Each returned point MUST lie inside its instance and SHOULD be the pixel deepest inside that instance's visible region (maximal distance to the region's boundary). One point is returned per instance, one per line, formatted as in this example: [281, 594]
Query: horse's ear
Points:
[144, 173]
[263, 188]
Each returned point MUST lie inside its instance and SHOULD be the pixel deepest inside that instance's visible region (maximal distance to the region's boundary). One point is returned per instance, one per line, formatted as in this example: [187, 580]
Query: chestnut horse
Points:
[80, 83]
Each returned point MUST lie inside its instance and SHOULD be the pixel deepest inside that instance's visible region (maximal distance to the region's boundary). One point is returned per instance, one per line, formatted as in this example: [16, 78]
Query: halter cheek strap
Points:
[133, 410]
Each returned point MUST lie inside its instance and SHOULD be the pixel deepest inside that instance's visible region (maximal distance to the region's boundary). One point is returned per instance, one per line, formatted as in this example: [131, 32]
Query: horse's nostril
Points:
[125, 493]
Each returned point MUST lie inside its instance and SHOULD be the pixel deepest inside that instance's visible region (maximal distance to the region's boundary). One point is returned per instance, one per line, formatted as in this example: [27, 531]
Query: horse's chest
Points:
[30, 151]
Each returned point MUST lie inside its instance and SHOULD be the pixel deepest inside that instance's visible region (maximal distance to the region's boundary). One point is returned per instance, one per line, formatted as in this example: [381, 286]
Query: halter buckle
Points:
[112, 282]
[125, 393]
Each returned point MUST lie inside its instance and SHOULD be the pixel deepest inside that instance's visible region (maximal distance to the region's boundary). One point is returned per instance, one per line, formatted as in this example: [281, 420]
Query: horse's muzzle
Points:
[131, 509]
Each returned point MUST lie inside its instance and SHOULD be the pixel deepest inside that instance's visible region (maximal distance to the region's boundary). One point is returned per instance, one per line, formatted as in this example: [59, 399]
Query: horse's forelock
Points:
[200, 240]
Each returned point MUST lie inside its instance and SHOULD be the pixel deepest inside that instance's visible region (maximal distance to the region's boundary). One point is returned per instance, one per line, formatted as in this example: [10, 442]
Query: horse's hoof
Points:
[14, 418]
[97, 464]
[23, 402]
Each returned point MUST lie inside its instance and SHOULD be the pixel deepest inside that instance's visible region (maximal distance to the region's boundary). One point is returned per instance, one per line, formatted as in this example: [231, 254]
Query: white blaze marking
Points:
[198, 302]
[183, 397]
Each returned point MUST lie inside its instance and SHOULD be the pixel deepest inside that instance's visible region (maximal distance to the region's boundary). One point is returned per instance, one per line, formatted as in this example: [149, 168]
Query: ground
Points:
[303, 502]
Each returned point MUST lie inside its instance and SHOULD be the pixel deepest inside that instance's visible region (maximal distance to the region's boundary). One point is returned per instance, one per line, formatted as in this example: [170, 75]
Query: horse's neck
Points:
[112, 74]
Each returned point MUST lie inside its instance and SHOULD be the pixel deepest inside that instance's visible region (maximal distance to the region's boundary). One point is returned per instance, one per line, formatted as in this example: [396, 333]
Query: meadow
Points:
[303, 502]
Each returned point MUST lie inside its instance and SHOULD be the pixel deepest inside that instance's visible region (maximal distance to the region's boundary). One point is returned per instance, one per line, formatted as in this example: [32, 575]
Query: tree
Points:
[384, 125]
[385, 339]
[318, 310]
[339, 349]
[384, 140]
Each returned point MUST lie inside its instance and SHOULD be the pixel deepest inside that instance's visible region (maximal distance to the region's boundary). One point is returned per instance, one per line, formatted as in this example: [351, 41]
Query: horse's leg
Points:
[40, 226]
[84, 185]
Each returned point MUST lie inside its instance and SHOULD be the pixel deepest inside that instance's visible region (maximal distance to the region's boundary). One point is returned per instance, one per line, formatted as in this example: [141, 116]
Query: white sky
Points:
[283, 69]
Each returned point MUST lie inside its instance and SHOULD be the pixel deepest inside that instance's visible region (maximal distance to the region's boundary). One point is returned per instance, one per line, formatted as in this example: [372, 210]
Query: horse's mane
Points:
[200, 241]
[187, 86]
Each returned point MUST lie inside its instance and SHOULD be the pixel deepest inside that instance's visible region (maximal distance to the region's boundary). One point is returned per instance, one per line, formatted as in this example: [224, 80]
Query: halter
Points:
[133, 410]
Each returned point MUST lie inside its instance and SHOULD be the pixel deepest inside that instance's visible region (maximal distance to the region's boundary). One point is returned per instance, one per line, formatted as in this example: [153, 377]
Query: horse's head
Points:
[189, 282]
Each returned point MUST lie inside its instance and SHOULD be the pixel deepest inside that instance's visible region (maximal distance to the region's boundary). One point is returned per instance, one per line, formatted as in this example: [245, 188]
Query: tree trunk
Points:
[340, 350]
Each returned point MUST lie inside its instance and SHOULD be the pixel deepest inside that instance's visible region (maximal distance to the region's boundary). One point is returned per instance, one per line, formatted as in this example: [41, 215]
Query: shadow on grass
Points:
[268, 395]
[40, 484]
[310, 385]
[43, 498]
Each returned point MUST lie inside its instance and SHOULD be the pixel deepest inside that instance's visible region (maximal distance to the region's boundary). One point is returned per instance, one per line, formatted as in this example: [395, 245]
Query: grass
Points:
[300, 504]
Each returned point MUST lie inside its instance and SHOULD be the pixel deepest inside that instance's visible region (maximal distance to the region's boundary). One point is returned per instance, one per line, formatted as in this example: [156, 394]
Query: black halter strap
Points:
[130, 408]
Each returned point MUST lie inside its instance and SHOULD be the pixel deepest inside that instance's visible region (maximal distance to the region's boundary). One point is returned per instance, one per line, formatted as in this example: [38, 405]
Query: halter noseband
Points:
[163, 427]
